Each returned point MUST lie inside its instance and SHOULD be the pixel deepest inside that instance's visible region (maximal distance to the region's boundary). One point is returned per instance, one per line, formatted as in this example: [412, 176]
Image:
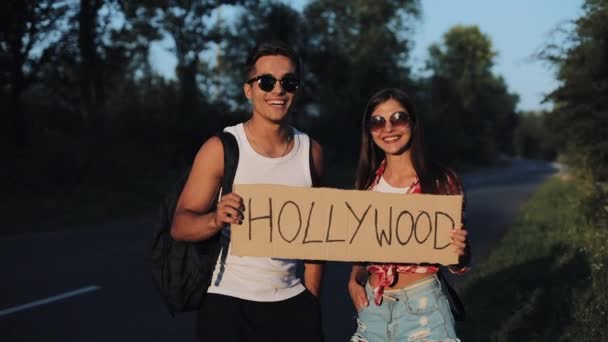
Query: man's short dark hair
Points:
[271, 48]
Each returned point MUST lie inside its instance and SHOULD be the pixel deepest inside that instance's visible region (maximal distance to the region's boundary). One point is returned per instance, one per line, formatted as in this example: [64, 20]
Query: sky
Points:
[517, 29]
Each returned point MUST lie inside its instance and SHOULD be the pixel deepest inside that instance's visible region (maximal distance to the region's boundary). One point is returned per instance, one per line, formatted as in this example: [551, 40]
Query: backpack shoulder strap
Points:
[311, 165]
[231, 160]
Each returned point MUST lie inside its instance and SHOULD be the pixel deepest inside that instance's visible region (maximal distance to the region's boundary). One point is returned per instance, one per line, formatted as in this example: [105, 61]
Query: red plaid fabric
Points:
[386, 272]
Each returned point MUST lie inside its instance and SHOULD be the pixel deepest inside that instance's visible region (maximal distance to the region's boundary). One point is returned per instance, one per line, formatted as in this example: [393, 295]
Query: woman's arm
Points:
[356, 286]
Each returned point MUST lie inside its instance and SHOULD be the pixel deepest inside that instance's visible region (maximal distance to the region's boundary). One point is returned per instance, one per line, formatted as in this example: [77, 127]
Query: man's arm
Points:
[313, 275]
[192, 220]
[313, 270]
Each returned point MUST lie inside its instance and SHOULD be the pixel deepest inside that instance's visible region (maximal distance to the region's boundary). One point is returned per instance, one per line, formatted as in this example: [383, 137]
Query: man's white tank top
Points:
[259, 278]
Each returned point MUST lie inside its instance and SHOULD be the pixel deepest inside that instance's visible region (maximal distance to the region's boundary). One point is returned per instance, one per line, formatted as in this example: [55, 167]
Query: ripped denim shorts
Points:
[419, 312]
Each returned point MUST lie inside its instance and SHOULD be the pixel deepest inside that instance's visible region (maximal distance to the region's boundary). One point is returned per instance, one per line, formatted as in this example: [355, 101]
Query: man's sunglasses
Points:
[376, 123]
[289, 83]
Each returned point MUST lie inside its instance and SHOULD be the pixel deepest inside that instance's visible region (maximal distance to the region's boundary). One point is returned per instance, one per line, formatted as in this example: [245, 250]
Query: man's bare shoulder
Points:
[210, 158]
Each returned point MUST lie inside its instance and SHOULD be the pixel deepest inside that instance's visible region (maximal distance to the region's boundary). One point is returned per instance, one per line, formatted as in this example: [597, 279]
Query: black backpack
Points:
[181, 270]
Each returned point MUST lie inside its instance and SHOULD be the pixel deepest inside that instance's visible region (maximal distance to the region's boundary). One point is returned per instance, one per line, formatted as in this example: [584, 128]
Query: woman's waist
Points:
[402, 280]
[418, 289]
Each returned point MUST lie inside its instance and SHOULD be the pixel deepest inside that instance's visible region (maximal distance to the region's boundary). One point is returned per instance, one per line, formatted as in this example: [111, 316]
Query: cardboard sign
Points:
[345, 225]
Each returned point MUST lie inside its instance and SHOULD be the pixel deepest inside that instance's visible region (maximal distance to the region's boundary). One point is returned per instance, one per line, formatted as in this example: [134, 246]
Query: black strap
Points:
[311, 165]
[231, 160]
[455, 303]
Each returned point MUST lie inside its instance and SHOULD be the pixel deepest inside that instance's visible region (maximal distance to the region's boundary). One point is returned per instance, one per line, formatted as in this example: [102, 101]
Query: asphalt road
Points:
[94, 284]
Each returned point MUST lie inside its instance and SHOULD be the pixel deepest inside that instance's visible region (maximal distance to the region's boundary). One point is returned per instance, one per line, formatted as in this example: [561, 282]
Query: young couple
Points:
[262, 299]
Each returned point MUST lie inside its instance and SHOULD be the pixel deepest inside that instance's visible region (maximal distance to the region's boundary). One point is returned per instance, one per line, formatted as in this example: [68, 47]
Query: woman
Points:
[400, 302]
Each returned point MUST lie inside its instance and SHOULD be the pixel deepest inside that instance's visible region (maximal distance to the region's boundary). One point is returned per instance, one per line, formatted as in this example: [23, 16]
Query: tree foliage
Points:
[580, 116]
[98, 110]
[468, 105]
[532, 137]
[27, 31]
[191, 28]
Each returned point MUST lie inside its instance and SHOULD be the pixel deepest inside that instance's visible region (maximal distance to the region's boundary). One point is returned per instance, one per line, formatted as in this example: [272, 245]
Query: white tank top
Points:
[259, 278]
[383, 186]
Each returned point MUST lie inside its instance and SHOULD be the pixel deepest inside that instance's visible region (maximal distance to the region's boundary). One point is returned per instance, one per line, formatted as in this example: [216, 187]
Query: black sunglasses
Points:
[376, 123]
[289, 83]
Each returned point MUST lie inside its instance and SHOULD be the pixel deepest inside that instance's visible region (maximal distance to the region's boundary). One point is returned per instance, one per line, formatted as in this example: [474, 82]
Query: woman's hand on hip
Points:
[357, 294]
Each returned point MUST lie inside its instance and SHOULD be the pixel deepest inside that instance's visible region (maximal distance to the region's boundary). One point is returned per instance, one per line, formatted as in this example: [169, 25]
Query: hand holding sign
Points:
[229, 210]
[459, 238]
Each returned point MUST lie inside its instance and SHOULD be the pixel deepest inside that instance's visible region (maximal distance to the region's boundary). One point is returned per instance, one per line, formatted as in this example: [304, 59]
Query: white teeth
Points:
[277, 103]
[389, 139]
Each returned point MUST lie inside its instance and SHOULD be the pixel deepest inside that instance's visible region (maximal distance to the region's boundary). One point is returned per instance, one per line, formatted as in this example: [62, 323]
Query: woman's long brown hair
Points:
[434, 178]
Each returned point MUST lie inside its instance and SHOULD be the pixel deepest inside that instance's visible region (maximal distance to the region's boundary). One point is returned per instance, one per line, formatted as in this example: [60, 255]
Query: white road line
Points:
[49, 300]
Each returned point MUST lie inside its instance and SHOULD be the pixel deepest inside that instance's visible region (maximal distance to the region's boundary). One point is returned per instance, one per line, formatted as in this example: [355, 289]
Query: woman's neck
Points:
[399, 170]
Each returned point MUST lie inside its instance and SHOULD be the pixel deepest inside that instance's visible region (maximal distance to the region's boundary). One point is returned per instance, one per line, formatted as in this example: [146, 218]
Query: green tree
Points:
[190, 25]
[532, 137]
[580, 115]
[470, 107]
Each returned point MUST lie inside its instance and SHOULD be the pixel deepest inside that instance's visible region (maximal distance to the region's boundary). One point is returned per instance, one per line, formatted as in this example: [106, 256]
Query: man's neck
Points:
[275, 132]
[268, 138]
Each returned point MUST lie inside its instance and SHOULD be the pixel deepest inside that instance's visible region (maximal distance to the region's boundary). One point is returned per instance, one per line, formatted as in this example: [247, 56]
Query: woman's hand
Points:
[229, 210]
[357, 294]
[459, 241]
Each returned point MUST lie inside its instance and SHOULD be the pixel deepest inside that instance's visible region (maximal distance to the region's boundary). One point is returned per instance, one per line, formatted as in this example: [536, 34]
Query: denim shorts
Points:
[418, 312]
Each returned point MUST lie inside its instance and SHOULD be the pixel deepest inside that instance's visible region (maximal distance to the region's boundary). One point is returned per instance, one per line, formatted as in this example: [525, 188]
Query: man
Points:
[252, 298]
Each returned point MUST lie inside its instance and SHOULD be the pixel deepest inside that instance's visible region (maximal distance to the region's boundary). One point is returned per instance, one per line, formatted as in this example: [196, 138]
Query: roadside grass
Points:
[547, 278]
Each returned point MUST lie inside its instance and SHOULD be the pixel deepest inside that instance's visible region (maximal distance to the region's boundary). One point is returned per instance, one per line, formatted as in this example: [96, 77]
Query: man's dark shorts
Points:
[229, 319]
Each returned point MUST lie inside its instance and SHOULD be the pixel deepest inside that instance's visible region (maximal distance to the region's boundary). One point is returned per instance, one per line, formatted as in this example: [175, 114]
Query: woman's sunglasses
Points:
[376, 123]
[289, 83]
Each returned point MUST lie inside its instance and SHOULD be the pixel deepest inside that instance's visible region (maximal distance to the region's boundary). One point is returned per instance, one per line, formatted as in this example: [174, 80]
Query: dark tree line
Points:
[28, 27]
[578, 124]
[580, 117]
[83, 103]
[533, 138]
